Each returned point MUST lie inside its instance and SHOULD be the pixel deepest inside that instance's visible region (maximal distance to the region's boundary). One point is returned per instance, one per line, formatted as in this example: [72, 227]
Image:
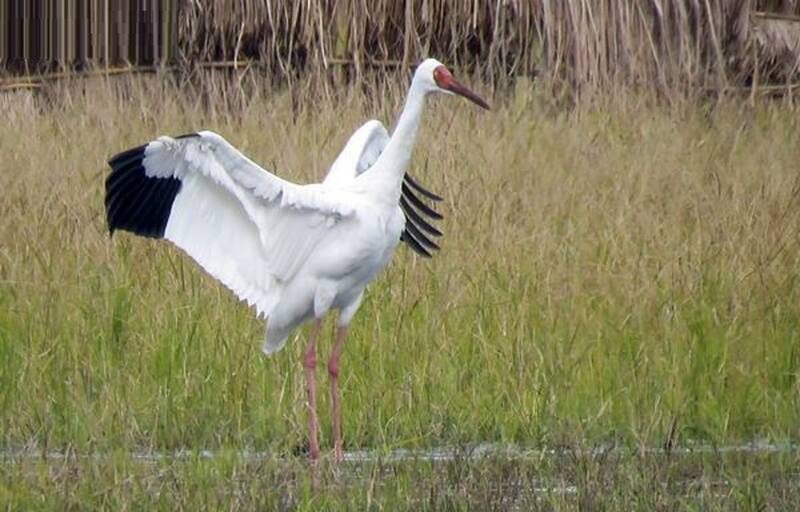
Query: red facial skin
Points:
[445, 80]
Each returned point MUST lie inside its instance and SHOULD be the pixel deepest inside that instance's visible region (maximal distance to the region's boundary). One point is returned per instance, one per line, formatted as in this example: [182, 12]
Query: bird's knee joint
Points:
[310, 361]
[333, 369]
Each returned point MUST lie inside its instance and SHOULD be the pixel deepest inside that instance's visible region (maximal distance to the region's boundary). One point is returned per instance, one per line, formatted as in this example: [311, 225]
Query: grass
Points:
[620, 274]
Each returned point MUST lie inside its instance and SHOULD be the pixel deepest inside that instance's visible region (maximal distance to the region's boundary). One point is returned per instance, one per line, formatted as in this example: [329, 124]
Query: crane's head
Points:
[435, 77]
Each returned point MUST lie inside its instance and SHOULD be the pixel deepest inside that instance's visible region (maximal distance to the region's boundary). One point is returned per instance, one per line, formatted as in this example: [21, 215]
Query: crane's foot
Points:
[338, 454]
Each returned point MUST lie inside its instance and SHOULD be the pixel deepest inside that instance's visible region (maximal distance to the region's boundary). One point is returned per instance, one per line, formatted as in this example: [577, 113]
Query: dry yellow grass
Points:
[576, 47]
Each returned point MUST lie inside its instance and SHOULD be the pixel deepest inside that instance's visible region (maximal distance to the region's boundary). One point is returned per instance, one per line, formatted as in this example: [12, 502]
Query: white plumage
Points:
[293, 252]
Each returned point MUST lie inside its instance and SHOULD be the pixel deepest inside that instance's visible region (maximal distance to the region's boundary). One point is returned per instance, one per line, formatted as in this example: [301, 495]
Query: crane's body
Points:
[293, 252]
[336, 274]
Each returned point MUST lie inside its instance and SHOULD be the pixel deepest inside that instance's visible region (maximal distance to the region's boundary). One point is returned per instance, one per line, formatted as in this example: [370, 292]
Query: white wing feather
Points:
[245, 226]
[359, 154]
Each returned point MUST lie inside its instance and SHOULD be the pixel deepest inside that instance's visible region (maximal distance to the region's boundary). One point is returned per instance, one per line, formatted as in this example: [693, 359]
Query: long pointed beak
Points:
[462, 90]
[445, 80]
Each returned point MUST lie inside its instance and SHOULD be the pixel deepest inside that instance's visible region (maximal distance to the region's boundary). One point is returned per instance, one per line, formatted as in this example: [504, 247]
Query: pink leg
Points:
[333, 372]
[310, 363]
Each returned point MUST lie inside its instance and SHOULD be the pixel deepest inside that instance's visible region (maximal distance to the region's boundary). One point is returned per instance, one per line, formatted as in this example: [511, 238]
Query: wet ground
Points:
[760, 476]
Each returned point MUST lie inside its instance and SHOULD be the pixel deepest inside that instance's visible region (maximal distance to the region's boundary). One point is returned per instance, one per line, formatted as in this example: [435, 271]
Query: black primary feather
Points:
[137, 202]
[419, 188]
[414, 234]
[418, 204]
[415, 246]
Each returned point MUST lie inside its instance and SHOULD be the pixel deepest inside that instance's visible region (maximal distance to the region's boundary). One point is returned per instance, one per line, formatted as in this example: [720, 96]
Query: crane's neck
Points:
[393, 162]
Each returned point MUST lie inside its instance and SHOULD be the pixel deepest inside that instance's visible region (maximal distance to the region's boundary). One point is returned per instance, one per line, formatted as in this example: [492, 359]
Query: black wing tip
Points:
[415, 245]
[187, 136]
[413, 209]
[407, 193]
[420, 237]
[417, 220]
[413, 183]
[120, 159]
[137, 202]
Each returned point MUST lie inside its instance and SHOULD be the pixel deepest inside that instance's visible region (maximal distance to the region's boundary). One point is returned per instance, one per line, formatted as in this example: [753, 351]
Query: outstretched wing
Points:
[359, 154]
[245, 226]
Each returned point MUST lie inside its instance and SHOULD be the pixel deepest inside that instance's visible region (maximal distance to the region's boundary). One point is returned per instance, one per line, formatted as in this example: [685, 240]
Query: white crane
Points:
[294, 252]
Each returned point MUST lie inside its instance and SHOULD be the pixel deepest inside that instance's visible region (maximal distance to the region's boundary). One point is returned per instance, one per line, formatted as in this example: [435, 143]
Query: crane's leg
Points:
[333, 373]
[310, 363]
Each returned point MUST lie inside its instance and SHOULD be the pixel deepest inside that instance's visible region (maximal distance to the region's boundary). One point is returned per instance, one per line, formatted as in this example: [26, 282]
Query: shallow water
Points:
[487, 476]
[443, 454]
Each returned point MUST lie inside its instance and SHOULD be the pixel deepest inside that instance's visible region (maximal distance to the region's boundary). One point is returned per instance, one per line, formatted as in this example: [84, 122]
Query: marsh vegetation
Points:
[622, 272]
